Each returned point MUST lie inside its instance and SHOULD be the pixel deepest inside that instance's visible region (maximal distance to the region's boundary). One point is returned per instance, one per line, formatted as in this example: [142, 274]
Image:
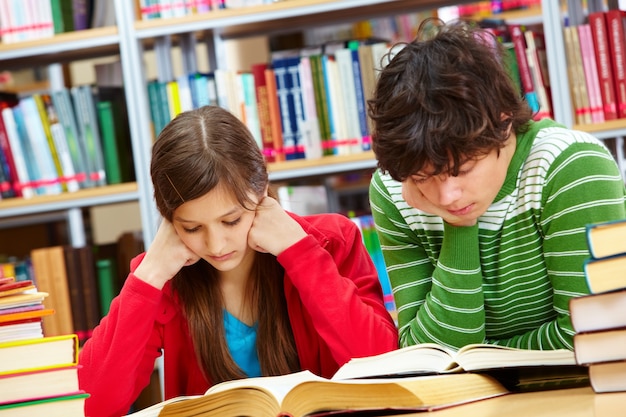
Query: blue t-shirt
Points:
[241, 340]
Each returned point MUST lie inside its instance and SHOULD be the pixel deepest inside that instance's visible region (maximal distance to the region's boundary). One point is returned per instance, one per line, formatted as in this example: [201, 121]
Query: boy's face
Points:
[460, 200]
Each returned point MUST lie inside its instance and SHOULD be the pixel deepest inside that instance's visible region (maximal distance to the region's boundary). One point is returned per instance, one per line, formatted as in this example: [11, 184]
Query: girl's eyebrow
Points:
[230, 212]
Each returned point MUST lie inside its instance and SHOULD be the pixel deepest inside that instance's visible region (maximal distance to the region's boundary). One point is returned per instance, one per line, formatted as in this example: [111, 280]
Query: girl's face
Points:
[215, 227]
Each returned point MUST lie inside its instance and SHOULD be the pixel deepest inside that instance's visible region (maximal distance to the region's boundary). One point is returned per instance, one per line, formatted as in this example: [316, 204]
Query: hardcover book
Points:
[305, 394]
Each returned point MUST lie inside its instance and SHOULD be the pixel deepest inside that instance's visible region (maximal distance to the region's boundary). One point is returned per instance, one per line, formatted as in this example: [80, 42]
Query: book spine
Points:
[67, 118]
[262, 100]
[617, 41]
[109, 142]
[519, 44]
[597, 21]
[310, 127]
[8, 164]
[273, 106]
[22, 181]
[591, 73]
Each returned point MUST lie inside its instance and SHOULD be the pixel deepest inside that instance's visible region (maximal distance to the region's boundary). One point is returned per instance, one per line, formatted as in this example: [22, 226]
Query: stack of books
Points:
[38, 374]
[599, 319]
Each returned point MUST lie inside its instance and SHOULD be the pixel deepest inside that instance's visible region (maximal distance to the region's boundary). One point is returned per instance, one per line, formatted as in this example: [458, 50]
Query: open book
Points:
[305, 394]
[430, 358]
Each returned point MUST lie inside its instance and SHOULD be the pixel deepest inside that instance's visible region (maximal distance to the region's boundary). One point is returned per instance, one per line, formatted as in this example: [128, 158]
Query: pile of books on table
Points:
[38, 374]
[599, 319]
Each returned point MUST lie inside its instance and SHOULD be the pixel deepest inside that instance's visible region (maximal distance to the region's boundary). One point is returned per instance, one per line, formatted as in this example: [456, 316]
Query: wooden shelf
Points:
[12, 207]
[605, 130]
[293, 14]
[300, 168]
[63, 47]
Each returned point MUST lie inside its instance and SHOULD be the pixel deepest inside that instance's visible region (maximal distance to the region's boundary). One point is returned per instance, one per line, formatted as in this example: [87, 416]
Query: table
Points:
[573, 402]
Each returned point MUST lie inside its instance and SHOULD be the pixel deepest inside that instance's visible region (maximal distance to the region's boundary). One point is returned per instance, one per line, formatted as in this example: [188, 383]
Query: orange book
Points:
[25, 315]
[275, 117]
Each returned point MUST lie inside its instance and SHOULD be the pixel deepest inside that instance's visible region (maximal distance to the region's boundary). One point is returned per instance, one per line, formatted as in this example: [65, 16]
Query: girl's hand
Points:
[273, 230]
[165, 257]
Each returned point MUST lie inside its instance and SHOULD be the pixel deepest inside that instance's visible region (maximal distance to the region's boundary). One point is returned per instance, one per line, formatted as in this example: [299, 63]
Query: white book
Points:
[50, 181]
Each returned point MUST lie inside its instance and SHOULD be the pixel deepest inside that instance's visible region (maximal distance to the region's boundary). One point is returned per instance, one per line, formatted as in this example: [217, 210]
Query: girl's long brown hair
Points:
[196, 152]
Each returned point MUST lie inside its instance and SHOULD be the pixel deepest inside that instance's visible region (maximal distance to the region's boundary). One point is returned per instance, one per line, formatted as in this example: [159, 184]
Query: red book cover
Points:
[519, 45]
[262, 101]
[617, 43]
[597, 21]
[275, 116]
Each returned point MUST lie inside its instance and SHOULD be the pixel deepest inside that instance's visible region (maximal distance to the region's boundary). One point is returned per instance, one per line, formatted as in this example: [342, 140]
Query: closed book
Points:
[591, 72]
[61, 99]
[343, 58]
[598, 311]
[24, 315]
[107, 283]
[607, 238]
[58, 142]
[600, 346]
[519, 43]
[51, 277]
[263, 110]
[289, 93]
[310, 125]
[535, 51]
[575, 76]
[90, 287]
[608, 376]
[109, 142]
[321, 102]
[599, 32]
[605, 274]
[77, 298]
[39, 353]
[275, 116]
[36, 385]
[50, 183]
[89, 132]
[63, 406]
[616, 22]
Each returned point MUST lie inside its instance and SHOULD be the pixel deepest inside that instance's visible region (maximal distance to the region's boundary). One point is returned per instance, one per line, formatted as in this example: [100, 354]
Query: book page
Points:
[278, 386]
[424, 358]
[485, 356]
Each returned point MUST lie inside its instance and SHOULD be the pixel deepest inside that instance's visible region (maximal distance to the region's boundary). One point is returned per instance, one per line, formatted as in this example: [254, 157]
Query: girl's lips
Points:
[222, 258]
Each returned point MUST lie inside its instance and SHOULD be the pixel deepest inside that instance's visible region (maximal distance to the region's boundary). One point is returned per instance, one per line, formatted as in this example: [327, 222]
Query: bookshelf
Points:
[132, 37]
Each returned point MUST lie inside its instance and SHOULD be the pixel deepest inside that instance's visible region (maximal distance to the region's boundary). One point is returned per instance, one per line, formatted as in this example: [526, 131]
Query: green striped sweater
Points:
[508, 279]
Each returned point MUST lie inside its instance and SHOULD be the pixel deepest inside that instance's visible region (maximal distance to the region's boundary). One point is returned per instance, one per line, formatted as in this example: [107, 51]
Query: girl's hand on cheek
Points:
[273, 230]
[165, 257]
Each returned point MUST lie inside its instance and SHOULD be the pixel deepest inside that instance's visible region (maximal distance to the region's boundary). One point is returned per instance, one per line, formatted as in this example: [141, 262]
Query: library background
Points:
[86, 85]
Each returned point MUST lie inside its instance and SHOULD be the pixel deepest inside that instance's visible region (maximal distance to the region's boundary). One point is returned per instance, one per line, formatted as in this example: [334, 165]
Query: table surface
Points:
[573, 402]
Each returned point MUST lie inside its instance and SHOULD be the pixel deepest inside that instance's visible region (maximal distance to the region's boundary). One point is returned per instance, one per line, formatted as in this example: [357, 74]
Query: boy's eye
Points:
[419, 179]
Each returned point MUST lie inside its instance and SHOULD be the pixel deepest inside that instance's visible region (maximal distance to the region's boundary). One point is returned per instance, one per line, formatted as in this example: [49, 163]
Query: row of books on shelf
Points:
[596, 65]
[165, 9]
[63, 140]
[305, 103]
[38, 373]
[599, 319]
[26, 20]
[596, 60]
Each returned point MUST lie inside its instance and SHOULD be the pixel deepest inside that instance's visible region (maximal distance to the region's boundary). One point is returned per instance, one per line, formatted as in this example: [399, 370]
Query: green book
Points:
[105, 269]
[110, 152]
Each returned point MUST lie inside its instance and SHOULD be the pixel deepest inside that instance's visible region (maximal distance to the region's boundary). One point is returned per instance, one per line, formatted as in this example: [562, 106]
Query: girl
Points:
[232, 285]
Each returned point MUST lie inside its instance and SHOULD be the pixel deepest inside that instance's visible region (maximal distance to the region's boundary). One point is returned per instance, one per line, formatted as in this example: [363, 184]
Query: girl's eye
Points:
[192, 230]
[234, 222]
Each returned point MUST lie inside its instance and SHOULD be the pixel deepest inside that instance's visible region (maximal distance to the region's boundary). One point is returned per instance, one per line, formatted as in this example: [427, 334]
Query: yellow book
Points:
[38, 354]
